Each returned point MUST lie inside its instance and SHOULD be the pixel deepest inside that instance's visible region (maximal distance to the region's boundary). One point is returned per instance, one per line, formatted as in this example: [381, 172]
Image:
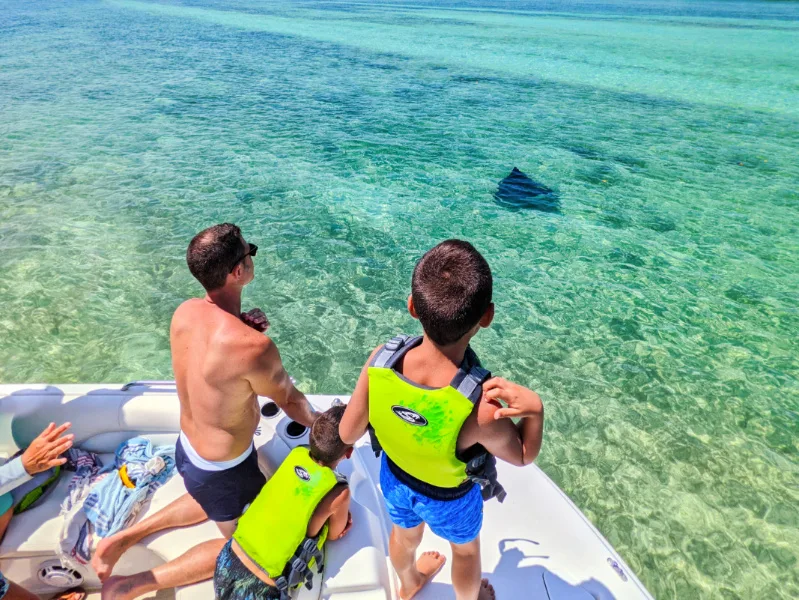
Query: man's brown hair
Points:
[213, 252]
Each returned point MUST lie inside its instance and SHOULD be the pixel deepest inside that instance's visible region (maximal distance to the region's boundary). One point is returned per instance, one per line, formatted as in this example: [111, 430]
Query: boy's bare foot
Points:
[428, 565]
[486, 591]
[106, 556]
[73, 594]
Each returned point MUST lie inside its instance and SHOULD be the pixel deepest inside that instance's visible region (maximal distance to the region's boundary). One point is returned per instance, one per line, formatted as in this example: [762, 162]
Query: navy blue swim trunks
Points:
[223, 495]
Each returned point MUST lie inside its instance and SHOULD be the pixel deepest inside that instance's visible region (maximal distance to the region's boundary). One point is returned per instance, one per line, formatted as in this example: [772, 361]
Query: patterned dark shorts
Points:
[3, 586]
[234, 581]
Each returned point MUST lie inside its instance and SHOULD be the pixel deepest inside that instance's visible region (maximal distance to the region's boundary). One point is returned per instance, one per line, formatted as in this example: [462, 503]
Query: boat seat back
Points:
[101, 417]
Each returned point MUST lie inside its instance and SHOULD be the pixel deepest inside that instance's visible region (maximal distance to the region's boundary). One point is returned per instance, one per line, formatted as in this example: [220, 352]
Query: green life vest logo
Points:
[302, 473]
[409, 416]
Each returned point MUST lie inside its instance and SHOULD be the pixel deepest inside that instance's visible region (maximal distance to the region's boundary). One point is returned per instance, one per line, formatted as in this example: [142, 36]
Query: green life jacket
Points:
[40, 485]
[418, 427]
[273, 530]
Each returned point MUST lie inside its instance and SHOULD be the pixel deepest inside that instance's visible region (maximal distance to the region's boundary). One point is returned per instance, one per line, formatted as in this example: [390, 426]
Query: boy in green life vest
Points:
[278, 543]
[433, 407]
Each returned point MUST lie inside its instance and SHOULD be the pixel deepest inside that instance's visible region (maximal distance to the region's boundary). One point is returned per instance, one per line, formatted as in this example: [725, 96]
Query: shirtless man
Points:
[222, 362]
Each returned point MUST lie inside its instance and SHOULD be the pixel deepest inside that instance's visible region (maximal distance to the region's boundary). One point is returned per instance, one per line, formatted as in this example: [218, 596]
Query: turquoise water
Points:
[656, 314]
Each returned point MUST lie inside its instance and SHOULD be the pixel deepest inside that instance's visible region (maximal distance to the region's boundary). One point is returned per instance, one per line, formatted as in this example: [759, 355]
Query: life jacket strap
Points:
[393, 350]
[298, 571]
[282, 584]
[482, 467]
[470, 377]
[311, 550]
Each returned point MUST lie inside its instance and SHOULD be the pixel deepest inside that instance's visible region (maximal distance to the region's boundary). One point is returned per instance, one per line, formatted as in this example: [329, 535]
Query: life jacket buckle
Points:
[374, 442]
[482, 469]
[396, 343]
[297, 574]
[283, 586]
[313, 552]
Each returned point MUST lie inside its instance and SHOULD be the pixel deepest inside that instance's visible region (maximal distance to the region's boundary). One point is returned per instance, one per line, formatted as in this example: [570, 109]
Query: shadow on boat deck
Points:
[512, 578]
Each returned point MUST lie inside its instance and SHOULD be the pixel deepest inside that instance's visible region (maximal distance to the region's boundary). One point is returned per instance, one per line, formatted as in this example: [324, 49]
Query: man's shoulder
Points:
[190, 306]
[188, 314]
[236, 336]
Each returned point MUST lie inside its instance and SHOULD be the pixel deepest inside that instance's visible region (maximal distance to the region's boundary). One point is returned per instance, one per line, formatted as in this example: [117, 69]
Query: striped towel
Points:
[111, 506]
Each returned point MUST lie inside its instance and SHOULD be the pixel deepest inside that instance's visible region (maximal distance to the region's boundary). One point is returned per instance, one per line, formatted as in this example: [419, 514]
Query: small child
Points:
[431, 413]
[280, 537]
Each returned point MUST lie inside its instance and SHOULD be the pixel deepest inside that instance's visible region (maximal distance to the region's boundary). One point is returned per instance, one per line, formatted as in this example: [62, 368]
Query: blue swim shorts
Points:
[457, 521]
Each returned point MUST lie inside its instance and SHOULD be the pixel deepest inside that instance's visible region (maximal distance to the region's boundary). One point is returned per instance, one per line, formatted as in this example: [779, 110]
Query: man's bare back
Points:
[213, 355]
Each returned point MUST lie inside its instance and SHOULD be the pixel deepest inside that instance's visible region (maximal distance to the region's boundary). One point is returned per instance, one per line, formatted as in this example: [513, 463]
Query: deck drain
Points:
[270, 410]
[295, 430]
[53, 574]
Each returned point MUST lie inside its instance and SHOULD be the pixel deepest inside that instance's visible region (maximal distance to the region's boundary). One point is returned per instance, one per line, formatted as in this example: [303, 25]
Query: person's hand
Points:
[521, 401]
[256, 319]
[46, 450]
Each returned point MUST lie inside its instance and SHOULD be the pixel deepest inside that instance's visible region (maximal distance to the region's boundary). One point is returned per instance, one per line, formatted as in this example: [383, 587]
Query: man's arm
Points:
[517, 444]
[269, 378]
[356, 418]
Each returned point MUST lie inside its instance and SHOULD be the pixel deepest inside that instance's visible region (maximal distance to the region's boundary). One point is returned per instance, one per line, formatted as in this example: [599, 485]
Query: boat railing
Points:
[151, 385]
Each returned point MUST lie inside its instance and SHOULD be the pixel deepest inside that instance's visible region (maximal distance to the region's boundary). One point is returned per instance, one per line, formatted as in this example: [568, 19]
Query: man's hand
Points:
[256, 319]
[521, 401]
[45, 450]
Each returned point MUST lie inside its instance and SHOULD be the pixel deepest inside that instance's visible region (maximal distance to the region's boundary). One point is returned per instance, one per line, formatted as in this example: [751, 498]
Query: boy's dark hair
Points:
[326, 444]
[212, 254]
[451, 290]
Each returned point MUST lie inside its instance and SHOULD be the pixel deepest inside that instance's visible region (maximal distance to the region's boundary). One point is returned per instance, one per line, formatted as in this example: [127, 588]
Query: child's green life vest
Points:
[276, 523]
[418, 427]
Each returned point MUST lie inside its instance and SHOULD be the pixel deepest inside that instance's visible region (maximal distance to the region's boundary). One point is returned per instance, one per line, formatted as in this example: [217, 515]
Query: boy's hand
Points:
[256, 319]
[347, 527]
[521, 401]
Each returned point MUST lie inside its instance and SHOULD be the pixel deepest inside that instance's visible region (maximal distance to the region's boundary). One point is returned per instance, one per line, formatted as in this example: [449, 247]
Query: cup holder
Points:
[270, 410]
[295, 430]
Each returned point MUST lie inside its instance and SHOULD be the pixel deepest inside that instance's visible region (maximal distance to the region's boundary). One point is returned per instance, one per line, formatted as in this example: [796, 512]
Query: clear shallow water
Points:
[656, 315]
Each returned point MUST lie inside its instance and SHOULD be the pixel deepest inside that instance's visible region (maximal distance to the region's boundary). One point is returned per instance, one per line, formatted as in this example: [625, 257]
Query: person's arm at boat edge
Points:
[356, 418]
[269, 378]
[334, 509]
[43, 453]
[517, 444]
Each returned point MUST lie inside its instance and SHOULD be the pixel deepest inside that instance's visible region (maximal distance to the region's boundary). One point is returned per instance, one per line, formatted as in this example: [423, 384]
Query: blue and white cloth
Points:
[111, 506]
[74, 544]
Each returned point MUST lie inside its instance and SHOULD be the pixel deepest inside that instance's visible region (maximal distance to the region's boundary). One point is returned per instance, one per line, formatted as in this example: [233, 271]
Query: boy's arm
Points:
[517, 444]
[334, 507]
[356, 418]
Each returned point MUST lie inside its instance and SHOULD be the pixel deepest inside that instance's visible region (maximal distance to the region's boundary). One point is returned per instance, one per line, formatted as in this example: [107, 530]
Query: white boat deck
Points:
[537, 545]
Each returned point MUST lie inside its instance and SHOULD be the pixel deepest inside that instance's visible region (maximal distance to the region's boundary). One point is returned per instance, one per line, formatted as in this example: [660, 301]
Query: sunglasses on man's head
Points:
[252, 252]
